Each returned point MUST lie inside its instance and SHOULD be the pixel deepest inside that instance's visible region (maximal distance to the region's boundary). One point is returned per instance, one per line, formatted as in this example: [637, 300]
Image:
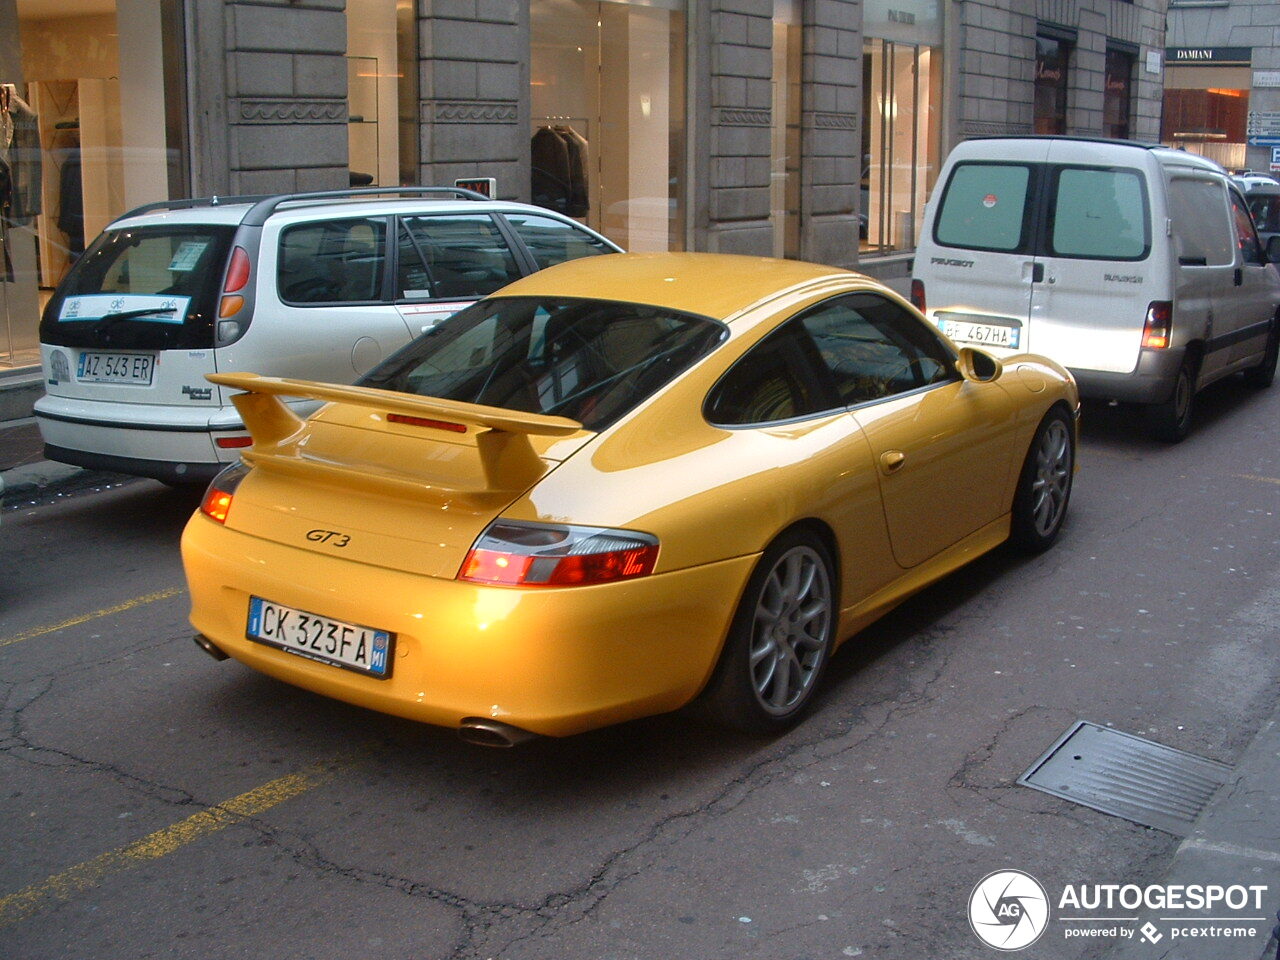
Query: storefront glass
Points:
[902, 97]
[607, 85]
[95, 127]
[1118, 94]
[382, 92]
[1052, 60]
[784, 152]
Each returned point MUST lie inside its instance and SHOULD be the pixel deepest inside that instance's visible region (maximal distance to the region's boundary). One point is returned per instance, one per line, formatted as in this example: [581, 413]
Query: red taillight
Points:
[217, 499]
[424, 422]
[233, 443]
[1159, 323]
[515, 554]
[917, 295]
[238, 271]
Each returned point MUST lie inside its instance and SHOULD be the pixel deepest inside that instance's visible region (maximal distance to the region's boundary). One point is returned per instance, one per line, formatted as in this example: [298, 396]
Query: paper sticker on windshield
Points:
[184, 261]
[990, 200]
[148, 308]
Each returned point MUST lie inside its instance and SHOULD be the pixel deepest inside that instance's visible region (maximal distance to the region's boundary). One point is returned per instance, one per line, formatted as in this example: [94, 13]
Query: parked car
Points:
[617, 485]
[1264, 205]
[318, 285]
[1136, 267]
[1247, 180]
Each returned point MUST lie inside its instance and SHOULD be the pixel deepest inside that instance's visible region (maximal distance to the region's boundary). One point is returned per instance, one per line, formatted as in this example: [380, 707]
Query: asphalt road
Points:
[155, 803]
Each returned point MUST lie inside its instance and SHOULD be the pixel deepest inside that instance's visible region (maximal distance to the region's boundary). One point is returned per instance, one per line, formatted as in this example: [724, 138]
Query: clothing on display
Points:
[19, 167]
[559, 170]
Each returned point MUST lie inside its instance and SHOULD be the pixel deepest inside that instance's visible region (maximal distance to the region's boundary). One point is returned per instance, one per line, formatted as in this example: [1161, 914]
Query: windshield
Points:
[146, 287]
[589, 360]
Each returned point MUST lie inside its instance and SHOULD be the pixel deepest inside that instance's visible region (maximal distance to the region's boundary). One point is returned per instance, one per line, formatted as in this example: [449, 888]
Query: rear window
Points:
[589, 360]
[984, 207]
[1099, 214]
[143, 287]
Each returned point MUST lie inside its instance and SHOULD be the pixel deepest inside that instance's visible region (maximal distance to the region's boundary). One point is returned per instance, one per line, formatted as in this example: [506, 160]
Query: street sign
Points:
[1264, 141]
[1275, 159]
[1263, 123]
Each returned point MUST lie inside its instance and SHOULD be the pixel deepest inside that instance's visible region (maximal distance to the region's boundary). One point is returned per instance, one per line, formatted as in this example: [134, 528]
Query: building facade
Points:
[1222, 95]
[801, 128]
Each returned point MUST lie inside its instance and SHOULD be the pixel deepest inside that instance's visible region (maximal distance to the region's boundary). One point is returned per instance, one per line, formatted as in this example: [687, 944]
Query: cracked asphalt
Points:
[155, 803]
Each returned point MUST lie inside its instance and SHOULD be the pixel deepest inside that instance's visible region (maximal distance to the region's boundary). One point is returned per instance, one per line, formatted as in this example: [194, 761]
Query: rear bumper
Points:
[165, 470]
[1150, 382]
[550, 661]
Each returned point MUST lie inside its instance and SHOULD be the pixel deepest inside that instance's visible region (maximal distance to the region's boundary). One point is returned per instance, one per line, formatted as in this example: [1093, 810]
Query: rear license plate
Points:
[335, 642]
[135, 368]
[982, 334]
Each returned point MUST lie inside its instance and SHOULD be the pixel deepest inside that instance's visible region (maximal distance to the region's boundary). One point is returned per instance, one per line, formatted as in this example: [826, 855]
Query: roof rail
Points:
[187, 204]
[265, 204]
[261, 210]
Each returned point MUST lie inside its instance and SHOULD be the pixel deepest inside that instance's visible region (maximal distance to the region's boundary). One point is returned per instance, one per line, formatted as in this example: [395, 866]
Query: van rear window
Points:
[1099, 214]
[142, 287]
[984, 207]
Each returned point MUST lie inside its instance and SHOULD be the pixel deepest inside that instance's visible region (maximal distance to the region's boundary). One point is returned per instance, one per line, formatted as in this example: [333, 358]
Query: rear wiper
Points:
[111, 318]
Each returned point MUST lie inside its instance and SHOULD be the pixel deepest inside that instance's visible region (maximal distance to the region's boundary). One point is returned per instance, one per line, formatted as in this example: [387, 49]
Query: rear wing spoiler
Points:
[502, 437]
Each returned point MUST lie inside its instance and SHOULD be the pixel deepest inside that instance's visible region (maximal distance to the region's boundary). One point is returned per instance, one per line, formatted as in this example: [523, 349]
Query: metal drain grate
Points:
[1126, 776]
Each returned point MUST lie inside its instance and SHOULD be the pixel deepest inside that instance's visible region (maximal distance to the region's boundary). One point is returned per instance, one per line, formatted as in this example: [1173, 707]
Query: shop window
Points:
[608, 136]
[1118, 94]
[784, 150]
[1053, 55]
[902, 99]
[382, 93]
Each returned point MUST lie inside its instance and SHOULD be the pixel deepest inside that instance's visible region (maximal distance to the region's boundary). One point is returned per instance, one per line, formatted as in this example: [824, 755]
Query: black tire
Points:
[780, 639]
[1264, 374]
[1171, 421]
[1044, 485]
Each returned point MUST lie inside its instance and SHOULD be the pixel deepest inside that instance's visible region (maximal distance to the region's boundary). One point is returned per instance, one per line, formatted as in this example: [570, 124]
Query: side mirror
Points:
[1273, 249]
[978, 366]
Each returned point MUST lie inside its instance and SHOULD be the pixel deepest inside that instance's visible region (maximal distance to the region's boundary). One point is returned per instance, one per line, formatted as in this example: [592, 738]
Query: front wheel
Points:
[1044, 486]
[780, 639]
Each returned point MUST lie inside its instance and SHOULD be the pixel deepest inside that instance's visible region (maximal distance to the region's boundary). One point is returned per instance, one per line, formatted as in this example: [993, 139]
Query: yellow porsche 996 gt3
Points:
[618, 485]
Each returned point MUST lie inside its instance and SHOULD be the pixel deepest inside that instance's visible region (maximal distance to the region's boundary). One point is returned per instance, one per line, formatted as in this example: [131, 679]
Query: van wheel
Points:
[1171, 421]
[1044, 486]
[1261, 376]
[780, 639]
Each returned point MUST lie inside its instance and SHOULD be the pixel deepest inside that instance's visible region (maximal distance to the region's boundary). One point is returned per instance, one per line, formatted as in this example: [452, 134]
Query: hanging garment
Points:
[6, 193]
[25, 162]
[579, 202]
[550, 176]
[71, 203]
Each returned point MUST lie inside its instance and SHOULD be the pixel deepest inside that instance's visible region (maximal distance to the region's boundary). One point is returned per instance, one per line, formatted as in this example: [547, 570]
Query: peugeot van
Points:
[1135, 266]
[317, 286]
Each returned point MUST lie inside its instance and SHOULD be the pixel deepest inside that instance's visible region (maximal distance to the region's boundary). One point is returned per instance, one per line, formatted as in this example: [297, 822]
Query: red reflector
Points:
[238, 271]
[232, 443]
[602, 567]
[216, 504]
[423, 422]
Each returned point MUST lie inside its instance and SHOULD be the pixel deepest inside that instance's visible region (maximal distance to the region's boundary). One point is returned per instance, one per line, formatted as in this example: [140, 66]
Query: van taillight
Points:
[238, 272]
[917, 295]
[1159, 324]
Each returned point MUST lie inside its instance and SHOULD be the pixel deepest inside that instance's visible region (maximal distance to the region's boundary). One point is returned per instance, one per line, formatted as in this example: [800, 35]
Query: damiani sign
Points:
[1214, 55]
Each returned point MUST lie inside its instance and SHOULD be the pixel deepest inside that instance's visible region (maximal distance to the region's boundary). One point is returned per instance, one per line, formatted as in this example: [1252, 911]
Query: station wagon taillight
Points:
[232, 302]
[1159, 325]
[517, 554]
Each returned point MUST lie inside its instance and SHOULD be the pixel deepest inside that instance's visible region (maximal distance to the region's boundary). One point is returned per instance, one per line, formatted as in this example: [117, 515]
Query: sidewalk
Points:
[1236, 841]
[22, 462]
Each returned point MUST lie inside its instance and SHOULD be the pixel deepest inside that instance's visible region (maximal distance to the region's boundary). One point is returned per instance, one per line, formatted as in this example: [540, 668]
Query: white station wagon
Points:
[317, 286]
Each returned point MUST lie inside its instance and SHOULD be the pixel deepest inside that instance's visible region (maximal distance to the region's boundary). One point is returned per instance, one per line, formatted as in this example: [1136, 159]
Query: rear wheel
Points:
[780, 639]
[1171, 421]
[1044, 486]
[1262, 376]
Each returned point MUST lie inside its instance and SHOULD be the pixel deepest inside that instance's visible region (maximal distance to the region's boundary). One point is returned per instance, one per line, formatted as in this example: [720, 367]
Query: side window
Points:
[452, 258]
[1246, 235]
[984, 207]
[1100, 214]
[335, 261]
[875, 348]
[780, 378]
[553, 241]
[1200, 226]
[1266, 212]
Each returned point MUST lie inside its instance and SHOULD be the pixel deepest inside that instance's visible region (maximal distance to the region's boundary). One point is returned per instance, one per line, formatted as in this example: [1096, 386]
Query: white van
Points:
[1137, 267]
[317, 286]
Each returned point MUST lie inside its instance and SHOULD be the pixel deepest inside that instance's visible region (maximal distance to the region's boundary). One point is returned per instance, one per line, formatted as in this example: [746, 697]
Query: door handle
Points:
[1037, 273]
[1238, 278]
[891, 461]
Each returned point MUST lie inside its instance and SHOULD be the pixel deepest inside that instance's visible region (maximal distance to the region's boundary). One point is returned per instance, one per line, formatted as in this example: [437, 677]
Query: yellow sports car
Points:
[618, 485]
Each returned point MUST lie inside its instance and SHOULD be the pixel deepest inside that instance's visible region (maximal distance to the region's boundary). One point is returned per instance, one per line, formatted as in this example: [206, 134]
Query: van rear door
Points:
[978, 265]
[1099, 270]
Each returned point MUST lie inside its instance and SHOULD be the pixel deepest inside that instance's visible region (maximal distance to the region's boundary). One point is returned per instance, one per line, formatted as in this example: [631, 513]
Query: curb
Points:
[46, 477]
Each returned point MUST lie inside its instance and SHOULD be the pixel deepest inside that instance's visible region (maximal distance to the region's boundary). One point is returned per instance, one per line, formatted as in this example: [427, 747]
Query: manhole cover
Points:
[1126, 776]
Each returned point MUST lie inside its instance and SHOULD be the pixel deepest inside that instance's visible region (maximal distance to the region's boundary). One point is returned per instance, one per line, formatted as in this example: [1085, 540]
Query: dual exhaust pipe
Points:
[476, 731]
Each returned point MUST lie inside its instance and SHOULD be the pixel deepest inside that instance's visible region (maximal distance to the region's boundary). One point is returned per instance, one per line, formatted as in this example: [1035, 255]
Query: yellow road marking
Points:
[76, 621]
[1251, 476]
[85, 876]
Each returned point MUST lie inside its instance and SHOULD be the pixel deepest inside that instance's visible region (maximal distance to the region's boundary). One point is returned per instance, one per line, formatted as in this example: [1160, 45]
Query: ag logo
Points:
[1008, 910]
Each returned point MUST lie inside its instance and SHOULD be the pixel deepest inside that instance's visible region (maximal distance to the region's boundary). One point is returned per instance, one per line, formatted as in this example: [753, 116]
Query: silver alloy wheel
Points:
[791, 625]
[1052, 481]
